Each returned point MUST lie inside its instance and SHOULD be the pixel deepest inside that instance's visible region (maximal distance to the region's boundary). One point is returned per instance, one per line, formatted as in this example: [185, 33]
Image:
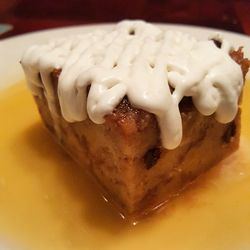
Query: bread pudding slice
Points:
[138, 156]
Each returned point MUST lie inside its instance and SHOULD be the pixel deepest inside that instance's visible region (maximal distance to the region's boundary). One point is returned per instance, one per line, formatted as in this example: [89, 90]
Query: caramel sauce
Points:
[46, 202]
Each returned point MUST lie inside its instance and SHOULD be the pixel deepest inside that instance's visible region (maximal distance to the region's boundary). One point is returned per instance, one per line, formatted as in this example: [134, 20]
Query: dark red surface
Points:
[31, 15]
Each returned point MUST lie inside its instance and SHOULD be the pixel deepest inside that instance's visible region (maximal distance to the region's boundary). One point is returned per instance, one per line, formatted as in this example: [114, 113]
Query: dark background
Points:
[30, 15]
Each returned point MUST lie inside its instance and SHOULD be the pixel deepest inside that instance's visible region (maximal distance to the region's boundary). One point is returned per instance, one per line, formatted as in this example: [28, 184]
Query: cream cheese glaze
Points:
[141, 61]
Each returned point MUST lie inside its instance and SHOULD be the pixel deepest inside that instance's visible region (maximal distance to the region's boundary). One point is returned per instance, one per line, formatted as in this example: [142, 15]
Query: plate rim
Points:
[6, 39]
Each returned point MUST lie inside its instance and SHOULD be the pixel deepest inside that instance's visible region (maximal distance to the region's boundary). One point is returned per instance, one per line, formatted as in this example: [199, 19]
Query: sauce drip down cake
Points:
[142, 109]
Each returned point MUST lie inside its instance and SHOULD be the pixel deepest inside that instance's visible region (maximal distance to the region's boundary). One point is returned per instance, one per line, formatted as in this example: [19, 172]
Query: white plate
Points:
[218, 218]
[11, 49]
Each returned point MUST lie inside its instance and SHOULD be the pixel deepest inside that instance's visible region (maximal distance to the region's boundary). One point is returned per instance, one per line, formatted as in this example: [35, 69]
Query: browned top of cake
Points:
[132, 120]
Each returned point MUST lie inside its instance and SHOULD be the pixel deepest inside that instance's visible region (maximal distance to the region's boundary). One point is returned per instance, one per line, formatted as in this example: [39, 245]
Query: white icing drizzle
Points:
[142, 61]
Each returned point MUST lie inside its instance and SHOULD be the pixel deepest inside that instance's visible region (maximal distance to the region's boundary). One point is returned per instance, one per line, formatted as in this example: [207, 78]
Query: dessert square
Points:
[143, 110]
